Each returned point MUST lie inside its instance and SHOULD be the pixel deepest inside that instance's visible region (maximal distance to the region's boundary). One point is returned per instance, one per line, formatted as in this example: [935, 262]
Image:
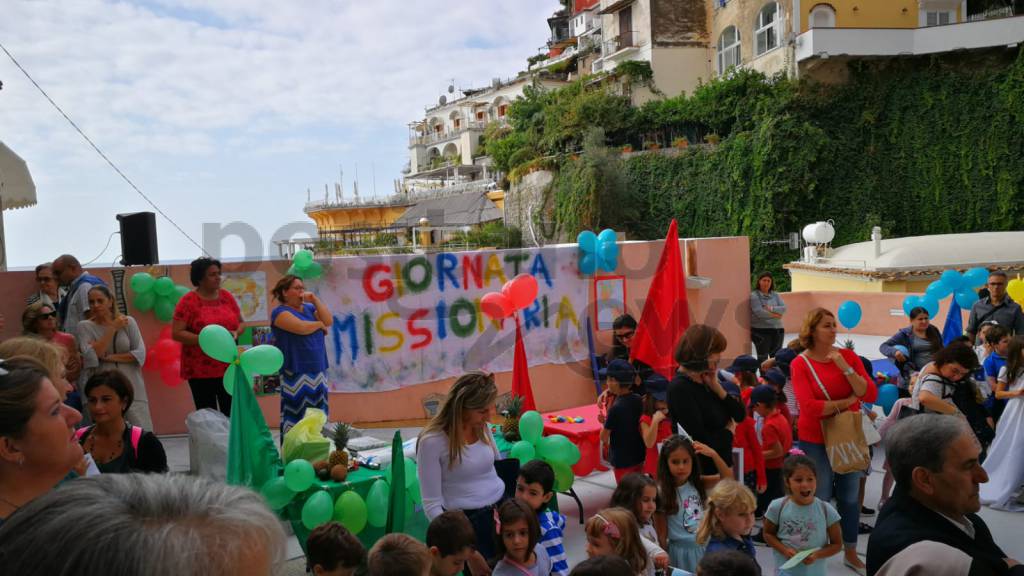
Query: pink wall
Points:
[725, 260]
[876, 318]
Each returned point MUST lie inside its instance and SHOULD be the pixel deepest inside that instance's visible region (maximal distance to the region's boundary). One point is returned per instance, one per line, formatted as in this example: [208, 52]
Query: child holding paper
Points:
[799, 524]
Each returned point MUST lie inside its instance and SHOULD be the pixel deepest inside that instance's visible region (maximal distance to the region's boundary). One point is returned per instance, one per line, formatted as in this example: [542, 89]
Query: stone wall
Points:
[524, 199]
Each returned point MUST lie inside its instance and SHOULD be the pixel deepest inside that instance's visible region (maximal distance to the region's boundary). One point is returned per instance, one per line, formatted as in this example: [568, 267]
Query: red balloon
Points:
[496, 305]
[170, 373]
[166, 351]
[522, 291]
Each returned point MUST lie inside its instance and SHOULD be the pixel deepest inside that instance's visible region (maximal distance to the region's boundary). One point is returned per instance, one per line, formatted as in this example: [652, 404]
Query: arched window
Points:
[766, 34]
[728, 49]
[823, 16]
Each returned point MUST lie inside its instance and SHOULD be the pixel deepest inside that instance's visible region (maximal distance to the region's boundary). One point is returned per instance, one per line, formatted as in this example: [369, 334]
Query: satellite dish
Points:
[442, 100]
[451, 88]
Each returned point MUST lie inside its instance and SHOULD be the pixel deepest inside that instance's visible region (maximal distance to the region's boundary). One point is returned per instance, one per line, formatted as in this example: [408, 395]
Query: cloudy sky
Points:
[226, 111]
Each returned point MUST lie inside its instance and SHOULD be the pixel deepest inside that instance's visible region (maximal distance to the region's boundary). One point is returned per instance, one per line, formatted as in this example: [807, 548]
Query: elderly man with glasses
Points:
[998, 306]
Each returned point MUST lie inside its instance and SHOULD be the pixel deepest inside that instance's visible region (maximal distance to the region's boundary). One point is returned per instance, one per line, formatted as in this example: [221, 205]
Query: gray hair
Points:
[921, 441]
[127, 524]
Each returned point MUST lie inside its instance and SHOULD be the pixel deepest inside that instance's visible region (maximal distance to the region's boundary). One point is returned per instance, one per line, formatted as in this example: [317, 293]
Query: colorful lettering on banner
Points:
[404, 320]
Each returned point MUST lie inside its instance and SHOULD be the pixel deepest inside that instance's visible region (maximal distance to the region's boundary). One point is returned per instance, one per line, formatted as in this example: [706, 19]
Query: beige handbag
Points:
[844, 436]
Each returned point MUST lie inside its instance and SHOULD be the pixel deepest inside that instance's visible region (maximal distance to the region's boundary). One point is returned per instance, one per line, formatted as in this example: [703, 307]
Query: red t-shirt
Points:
[811, 399]
[776, 428]
[664, 431]
[198, 313]
[753, 457]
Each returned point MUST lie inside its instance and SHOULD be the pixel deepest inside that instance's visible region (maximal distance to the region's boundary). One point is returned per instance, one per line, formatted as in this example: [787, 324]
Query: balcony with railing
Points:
[620, 43]
[446, 135]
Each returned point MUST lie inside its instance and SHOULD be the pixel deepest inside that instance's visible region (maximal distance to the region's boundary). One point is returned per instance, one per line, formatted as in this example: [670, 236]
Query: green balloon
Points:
[377, 504]
[230, 377]
[164, 308]
[262, 359]
[317, 510]
[558, 448]
[179, 292]
[163, 286]
[299, 475]
[144, 301]
[302, 259]
[523, 451]
[142, 282]
[350, 510]
[531, 426]
[313, 271]
[277, 493]
[217, 343]
[293, 271]
[563, 476]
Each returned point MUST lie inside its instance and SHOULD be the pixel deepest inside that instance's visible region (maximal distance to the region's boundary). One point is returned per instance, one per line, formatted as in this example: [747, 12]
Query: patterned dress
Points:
[304, 373]
[683, 550]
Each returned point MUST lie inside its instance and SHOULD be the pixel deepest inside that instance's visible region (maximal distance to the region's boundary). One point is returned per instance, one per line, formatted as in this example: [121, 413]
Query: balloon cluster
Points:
[597, 251]
[1015, 288]
[557, 450]
[849, 314]
[217, 343]
[516, 294]
[960, 286]
[350, 509]
[304, 267]
[164, 356]
[160, 295]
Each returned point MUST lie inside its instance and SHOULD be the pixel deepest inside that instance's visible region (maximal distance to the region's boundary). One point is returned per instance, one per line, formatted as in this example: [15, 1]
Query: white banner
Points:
[410, 319]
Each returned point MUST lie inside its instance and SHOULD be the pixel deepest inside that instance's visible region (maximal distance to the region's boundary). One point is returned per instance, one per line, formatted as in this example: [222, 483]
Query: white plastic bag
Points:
[208, 432]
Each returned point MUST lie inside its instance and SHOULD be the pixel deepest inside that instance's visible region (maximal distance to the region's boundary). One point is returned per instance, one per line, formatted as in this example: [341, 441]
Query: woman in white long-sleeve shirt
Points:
[455, 458]
[766, 310]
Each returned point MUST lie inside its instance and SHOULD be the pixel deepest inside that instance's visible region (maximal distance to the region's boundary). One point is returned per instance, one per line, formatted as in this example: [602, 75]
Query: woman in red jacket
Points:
[842, 376]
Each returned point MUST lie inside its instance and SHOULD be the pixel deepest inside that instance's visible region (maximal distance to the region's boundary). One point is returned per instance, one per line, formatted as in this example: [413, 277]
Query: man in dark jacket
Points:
[934, 459]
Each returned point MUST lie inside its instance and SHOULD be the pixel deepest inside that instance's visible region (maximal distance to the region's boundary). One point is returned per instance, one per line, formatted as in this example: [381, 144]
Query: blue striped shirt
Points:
[551, 526]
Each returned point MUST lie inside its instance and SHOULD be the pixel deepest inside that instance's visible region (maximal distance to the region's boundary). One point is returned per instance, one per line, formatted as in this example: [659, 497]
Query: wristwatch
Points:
[849, 371]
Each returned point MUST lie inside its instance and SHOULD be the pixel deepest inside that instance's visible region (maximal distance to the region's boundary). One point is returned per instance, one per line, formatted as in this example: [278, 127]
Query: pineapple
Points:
[513, 410]
[339, 456]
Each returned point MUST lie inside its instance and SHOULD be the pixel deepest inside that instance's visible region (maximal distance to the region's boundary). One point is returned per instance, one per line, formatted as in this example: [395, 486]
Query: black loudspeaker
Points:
[138, 238]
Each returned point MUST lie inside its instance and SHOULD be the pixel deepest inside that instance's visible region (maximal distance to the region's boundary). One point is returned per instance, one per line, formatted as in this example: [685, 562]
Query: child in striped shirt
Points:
[535, 485]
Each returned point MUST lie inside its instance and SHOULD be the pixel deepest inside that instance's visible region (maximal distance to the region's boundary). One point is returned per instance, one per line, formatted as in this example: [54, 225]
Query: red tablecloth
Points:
[585, 435]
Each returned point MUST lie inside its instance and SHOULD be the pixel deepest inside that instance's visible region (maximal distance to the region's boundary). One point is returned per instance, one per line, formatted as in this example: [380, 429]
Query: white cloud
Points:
[177, 83]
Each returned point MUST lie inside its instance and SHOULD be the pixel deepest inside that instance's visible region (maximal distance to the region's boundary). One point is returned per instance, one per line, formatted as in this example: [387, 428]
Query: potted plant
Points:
[648, 145]
[681, 142]
[627, 148]
[713, 139]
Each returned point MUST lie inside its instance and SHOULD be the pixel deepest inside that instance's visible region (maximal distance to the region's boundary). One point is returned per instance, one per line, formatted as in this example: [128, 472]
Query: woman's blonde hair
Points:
[474, 390]
[49, 355]
[621, 528]
[727, 496]
[811, 321]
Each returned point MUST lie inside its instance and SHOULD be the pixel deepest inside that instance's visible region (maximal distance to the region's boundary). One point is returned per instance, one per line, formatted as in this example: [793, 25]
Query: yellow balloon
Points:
[1016, 290]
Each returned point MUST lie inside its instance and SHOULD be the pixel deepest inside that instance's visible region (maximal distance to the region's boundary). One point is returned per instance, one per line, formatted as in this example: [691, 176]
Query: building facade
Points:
[796, 37]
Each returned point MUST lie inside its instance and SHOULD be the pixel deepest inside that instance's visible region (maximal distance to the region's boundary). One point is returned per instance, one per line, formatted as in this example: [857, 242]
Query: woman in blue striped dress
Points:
[299, 324]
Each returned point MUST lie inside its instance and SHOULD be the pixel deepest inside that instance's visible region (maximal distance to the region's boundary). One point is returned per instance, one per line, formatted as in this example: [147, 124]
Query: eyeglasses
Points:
[42, 279]
[997, 283]
[625, 335]
[49, 314]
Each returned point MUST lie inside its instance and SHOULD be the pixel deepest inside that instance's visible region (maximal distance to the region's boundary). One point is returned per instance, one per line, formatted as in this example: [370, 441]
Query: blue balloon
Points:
[910, 302]
[938, 290]
[952, 279]
[587, 241]
[606, 235]
[903, 349]
[975, 278]
[849, 314]
[588, 263]
[887, 396]
[966, 298]
[608, 249]
[930, 304]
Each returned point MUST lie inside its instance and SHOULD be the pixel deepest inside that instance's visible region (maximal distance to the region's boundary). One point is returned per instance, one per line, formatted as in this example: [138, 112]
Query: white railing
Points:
[435, 137]
[1000, 12]
[417, 193]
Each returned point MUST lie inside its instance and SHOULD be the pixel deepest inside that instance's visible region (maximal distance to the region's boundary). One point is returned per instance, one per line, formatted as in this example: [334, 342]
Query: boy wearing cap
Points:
[622, 424]
[655, 425]
[776, 441]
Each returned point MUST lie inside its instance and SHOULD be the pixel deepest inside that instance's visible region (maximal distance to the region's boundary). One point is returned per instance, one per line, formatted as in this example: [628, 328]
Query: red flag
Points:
[521, 373]
[666, 312]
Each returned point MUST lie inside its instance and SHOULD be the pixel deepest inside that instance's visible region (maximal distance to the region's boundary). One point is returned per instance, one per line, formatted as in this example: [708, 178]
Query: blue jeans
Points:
[846, 490]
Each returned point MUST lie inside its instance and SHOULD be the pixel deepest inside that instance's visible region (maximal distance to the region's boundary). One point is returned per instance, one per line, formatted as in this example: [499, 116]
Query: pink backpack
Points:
[136, 435]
